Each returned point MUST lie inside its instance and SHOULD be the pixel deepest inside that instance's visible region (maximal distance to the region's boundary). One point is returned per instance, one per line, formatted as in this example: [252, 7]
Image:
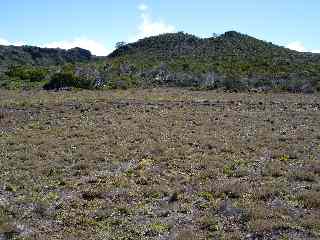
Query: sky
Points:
[98, 25]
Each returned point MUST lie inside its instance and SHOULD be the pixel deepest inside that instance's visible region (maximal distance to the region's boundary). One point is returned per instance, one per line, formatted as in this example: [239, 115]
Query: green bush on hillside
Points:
[27, 73]
[77, 77]
[61, 80]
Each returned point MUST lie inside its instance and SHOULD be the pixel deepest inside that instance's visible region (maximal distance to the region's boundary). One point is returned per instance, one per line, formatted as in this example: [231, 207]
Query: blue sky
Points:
[98, 24]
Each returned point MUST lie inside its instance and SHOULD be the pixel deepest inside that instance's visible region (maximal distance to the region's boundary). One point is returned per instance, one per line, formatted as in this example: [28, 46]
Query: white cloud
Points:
[6, 42]
[93, 46]
[143, 7]
[150, 27]
[299, 46]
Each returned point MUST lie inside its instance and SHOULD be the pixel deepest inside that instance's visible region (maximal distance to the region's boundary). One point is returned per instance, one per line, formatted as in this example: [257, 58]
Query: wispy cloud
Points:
[297, 46]
[300, 47]
[6, 42]
[143, 7]
[150, 27]
[93, 46]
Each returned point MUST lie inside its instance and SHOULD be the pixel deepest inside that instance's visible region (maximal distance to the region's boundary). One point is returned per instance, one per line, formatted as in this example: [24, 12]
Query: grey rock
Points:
[227, 209]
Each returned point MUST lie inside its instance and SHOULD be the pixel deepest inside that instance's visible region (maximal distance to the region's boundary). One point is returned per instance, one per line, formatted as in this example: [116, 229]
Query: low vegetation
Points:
[159, 163]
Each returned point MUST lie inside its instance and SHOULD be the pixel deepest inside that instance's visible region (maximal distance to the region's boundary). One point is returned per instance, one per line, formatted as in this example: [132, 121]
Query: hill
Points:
[28, 55]
[29, 67]
[231, 59]
[230, 43]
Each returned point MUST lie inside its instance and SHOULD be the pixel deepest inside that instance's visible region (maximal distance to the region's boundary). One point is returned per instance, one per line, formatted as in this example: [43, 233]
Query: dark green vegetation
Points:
[231, 61]
[159, 164]
[32, 67]
[27, 55]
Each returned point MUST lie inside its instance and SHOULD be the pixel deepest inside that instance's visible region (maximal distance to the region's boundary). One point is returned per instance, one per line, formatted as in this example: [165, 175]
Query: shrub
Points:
[123, 82]
[61, 80]
[27, 73]
[159, 228]
[88, 78]
[80, 77]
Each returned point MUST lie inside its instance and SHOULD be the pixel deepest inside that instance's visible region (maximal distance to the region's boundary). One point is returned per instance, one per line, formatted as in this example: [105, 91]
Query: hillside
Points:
[230, 43]
[28, 55]
[230, 56]
[231, 61]
[28, 67]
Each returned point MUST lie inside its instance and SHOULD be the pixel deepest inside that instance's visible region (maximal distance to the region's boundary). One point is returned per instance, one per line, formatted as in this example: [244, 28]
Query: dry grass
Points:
[310, 199]
[157, 164]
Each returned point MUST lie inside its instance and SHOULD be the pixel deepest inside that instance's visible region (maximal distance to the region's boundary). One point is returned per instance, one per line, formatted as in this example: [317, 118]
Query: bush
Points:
[27, 73]
[123, 82]
[61, 80]
[89, 78]
[234, 84]
[80, 77]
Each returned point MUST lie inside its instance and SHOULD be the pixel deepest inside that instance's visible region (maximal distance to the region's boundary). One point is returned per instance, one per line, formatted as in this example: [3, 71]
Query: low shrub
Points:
[61, 80]
[27, 73]
[80, 77]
